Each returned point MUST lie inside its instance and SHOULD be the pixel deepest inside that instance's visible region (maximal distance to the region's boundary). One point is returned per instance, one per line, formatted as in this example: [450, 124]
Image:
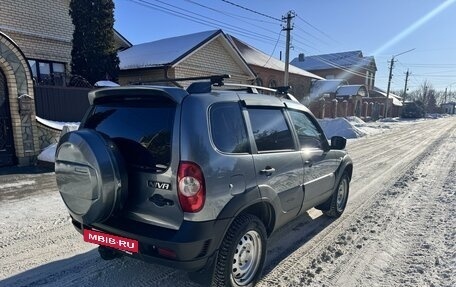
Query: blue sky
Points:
[380, 28]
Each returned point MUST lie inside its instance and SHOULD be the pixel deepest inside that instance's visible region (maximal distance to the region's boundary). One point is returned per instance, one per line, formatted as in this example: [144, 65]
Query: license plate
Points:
[105, 239]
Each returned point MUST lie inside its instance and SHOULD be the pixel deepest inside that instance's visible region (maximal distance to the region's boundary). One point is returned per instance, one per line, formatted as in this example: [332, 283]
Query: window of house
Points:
[270, 130]
[48, 73]
[272, 84]
[259, 82]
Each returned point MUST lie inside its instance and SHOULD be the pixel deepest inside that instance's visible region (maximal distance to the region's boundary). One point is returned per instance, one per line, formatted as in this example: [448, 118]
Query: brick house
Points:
[35, 49]
[199, 54]
[270, 71]
[35, 44]
[350, 66]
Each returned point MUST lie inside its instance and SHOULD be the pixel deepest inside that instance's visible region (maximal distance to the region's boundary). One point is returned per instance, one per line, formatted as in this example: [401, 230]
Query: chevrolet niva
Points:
[197, 179]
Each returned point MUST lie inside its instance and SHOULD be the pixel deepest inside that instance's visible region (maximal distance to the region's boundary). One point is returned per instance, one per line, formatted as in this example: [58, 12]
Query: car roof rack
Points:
[216, 80]
[200, 87]
[281, 92]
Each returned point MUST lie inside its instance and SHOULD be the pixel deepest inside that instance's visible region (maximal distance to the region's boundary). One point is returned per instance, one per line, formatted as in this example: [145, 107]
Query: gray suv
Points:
[197, 179]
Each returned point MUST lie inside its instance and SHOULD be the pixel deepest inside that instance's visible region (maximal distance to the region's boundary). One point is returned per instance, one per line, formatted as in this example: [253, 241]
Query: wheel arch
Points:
[265, 212]
[250, 202]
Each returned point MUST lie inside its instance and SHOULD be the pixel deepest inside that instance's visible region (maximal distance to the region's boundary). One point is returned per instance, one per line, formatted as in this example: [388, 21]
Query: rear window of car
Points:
[228, 130]
[141, 130]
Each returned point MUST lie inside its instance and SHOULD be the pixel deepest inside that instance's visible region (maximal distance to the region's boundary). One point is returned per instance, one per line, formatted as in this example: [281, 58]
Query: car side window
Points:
[228, 130]
[307, 132]
[270, 129]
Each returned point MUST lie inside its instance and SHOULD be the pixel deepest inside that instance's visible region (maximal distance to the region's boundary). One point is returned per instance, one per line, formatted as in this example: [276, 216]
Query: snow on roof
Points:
[397, 100]
[351, 90]
[106, 84]
[320, 87]
[162, 52]
[255, 57]
[335, 60]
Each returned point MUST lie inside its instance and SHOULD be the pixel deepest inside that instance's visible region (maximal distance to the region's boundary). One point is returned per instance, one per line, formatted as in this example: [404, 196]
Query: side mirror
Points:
[338, 142]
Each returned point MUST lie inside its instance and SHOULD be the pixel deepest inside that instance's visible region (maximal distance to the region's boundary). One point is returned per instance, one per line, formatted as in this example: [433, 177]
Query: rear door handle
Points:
[268, 170]
[308, 163]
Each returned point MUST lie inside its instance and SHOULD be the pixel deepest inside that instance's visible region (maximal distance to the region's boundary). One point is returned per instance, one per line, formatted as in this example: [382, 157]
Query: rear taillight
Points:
[191, 188]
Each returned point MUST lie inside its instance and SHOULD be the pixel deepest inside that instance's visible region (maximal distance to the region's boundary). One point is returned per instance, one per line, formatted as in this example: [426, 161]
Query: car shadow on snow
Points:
[88, 269]
[294, 235]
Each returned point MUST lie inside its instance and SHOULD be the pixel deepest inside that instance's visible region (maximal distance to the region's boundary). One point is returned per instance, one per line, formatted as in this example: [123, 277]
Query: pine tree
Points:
[94, 56]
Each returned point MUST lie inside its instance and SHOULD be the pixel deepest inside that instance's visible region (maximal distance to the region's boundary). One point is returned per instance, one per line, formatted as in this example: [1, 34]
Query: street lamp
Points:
[389, 80]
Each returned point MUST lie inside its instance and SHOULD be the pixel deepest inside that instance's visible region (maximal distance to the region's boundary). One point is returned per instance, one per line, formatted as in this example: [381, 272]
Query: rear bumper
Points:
[188, 248]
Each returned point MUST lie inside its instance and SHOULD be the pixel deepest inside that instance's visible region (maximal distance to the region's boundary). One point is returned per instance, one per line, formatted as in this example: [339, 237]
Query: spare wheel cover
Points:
[91, 175]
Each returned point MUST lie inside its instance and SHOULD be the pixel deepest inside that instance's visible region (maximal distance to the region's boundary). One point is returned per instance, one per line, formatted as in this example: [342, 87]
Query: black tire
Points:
[235, 267]
[335, 205]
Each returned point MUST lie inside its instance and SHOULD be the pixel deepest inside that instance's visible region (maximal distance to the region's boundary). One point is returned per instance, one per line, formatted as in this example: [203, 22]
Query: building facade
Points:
[35, 46]
[194, 55]
[448, 108]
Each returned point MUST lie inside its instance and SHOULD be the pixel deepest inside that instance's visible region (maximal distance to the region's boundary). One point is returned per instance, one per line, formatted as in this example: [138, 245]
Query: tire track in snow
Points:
[319, 248]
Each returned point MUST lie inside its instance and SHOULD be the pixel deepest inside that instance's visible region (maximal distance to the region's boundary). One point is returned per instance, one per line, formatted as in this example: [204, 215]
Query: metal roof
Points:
[335, 61]
[255, 57]
[162, 52]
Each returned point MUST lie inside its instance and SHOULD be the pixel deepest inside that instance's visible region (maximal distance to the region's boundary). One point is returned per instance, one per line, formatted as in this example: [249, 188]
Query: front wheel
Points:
[338, 200]
[242, 253]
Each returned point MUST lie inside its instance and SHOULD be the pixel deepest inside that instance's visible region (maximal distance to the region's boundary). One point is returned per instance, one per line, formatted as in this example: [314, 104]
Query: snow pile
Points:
[48, 154]
[58, 125]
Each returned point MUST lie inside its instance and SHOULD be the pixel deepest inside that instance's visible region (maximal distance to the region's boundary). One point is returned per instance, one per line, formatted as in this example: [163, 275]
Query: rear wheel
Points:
[242, 254]
[338, 200]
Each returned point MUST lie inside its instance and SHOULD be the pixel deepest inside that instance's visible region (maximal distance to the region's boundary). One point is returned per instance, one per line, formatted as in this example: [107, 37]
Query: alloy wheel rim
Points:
[246, 259]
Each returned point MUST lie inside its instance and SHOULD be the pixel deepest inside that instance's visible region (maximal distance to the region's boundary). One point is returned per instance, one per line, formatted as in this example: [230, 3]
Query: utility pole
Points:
[288, 18]
[389, 80]
[389, 86]
[405, 88]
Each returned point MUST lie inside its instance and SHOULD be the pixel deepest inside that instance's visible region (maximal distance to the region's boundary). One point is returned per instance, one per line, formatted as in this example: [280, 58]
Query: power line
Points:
[233, 15]
[321, 32]
[253, 11]
[314, 37]
[273, 51]
[203, 20]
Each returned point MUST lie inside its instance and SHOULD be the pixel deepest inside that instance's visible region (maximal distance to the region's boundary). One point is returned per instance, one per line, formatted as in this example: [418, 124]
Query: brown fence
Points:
[365, 108]
[65, 104]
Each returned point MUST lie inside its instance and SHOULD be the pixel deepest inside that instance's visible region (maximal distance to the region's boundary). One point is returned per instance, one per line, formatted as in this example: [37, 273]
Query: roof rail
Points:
[216, 80]
[282, 92]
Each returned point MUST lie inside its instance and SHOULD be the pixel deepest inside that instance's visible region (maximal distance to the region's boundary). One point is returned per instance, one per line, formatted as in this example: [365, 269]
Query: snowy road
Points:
[399, 228]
